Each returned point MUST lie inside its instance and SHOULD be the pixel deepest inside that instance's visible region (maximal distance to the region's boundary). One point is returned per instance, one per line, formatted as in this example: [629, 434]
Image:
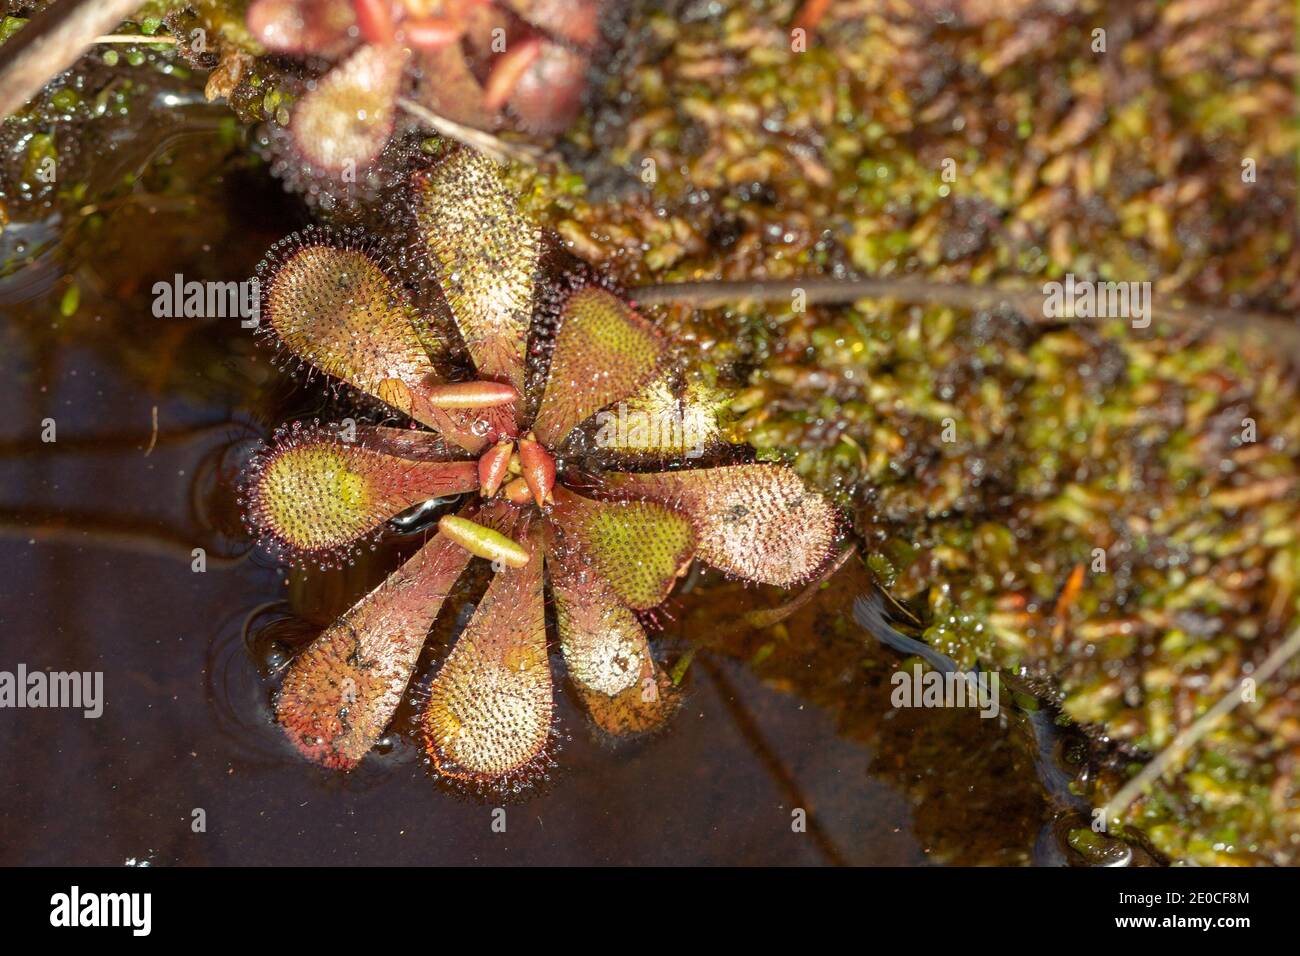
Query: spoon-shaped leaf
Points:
[484, 252]
[312, 492]
[759, 522]
[340, 693]
[488, 717]
[603, 352]
[639, 547]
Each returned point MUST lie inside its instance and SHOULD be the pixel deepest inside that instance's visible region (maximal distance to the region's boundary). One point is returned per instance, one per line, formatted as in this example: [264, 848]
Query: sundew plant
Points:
[606, 545]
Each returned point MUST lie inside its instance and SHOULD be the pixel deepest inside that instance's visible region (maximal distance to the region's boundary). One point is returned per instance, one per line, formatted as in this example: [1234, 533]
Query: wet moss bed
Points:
[983, 457]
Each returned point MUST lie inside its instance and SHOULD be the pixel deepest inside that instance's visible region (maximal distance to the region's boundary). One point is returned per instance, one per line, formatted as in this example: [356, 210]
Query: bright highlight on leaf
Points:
[604, 351]
[758, 522]
[340, 694]
[318, 493]
[655, 423]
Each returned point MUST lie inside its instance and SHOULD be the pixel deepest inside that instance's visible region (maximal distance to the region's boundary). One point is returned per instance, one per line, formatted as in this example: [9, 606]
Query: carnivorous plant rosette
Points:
[606, 545]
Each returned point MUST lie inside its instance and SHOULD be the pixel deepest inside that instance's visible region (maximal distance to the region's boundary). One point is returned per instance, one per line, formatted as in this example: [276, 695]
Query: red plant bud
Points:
[484, 542]
[470, 395]
[538, 469]
[429, 33]
[510, 66]
[375, 18]
[518, 492]
[493, 467]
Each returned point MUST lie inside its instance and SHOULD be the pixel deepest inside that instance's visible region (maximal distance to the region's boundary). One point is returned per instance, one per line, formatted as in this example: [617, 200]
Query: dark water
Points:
[96, 531]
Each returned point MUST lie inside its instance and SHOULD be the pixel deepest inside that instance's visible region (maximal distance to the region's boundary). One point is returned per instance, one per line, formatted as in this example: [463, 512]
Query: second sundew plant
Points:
[606, 545]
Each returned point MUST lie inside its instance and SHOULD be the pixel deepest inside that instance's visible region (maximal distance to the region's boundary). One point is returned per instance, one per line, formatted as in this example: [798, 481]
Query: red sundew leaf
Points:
[606, 652]
[448, 86]
[547, 94]
[409, 443]
[493, 467]
[431, 33]
[538, 470]
[303, 27]
[484, 253]
[341, 126]
[334, 306]
[488, 717]
[639, 547]
[507, 70]
[576, 21]
[312, 492]
[758, 522]
[603, 351]
[375, 19]
[340, 694]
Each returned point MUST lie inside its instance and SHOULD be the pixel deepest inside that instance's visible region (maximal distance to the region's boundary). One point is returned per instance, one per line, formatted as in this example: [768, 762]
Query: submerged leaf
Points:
[641, 709]
[340, 693]
[759, 522]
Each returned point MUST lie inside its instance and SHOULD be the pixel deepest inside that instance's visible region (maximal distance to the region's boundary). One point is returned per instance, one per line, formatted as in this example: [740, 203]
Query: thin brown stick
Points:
[1188, 737]
[53, 41]
[477, 139]
[135, 38]
[828, 291]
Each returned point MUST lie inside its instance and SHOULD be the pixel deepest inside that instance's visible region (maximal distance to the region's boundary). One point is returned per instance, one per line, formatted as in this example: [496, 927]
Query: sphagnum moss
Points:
[767, 163]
